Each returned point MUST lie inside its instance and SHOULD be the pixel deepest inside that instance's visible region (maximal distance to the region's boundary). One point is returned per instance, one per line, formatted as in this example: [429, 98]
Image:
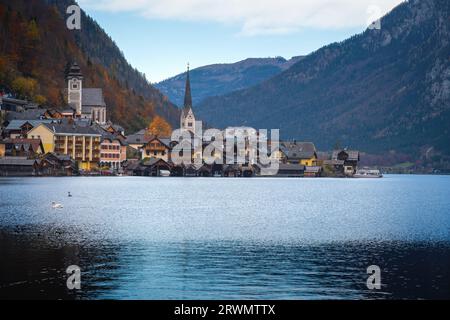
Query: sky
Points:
[159, 37]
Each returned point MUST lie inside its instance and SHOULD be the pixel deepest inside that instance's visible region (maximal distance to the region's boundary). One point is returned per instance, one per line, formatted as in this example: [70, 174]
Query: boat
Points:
[164, 173]
[57, 205]
[368, 173]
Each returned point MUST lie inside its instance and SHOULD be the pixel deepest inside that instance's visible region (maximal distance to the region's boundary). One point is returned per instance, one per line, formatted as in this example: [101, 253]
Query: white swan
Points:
[57, 205]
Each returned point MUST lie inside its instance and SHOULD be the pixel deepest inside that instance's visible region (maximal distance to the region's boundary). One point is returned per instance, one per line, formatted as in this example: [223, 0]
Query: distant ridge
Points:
[219, 79]
[383, 91]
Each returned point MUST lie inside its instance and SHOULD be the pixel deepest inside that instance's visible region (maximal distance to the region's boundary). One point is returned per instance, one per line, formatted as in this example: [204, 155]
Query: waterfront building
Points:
[349, 160]
[303, 153]
[88, 103]
[81, 143]
[156, 148]
[291, 170]
[18, 167]
[152, 167]
[53, 164]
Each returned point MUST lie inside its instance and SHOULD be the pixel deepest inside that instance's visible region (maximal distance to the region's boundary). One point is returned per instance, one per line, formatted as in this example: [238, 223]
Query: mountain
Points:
[220, 79]
[385, 90]
[36, 46]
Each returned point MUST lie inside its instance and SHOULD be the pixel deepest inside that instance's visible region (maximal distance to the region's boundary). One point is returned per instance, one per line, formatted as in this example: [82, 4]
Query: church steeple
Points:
[187, 120]
[188, 94]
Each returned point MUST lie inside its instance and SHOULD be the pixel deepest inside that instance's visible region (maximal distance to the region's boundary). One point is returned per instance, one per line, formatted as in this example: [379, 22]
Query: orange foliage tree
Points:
[159, 127]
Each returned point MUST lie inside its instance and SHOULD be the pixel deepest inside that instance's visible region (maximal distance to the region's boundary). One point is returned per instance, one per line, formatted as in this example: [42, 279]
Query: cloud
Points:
[255, 17]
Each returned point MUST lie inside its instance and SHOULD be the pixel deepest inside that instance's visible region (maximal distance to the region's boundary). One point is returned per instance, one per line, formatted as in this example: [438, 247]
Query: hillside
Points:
[35, 47]
[381, 91]
[220, 79]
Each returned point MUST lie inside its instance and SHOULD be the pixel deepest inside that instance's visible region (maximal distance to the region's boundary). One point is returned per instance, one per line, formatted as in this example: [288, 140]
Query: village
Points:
[79, 139]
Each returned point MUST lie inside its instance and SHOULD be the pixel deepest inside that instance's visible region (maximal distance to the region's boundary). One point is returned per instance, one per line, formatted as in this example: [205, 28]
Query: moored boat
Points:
[368, 173]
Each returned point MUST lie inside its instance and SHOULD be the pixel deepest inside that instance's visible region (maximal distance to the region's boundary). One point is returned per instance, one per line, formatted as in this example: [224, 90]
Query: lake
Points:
[225, 238]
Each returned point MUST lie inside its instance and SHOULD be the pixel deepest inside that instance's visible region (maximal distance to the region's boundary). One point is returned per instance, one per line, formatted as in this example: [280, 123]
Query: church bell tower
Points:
[75, 88]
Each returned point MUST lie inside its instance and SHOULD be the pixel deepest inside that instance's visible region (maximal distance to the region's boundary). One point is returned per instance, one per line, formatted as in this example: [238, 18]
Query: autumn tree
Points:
[159, 127]
[25, 87]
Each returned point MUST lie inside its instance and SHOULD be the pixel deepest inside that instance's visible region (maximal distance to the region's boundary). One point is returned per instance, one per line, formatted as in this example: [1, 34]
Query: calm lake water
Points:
[214, 238]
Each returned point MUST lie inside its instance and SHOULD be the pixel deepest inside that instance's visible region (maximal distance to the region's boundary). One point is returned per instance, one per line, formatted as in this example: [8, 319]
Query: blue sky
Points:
[160, 37]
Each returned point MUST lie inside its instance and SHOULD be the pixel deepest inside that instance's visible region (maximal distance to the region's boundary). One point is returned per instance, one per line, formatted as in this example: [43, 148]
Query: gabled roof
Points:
[353, 155]
[298, 150]
[17, 124]
[25, 144]
[58, 156]
[138, 139]
[17, 161]
[93, 97]
[164, 141]
[32, 114]
[153, 161]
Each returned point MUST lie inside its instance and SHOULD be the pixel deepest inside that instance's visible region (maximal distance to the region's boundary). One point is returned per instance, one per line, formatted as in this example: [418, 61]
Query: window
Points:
[190, 124]
[75, 85]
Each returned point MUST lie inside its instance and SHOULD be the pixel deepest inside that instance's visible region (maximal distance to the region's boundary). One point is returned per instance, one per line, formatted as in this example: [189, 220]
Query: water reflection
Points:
[33, 266]
[143, 238]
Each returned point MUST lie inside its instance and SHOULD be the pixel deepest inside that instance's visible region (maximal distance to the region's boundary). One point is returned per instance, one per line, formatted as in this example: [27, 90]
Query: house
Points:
[18, 167]
[67, 113]
[20, 128]
[291, 170]
[133, 168]
[138, 139]
[303, 153]
[29, 114]
[349, 160]
[81, 143]
[11, 104]
[29, 148]
[231, 170]
[53, 164]
[88, 103]
[114, 129]
[156, 148]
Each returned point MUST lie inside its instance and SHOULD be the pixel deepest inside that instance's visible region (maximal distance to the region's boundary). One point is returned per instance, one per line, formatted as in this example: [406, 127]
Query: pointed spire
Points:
[188, 95]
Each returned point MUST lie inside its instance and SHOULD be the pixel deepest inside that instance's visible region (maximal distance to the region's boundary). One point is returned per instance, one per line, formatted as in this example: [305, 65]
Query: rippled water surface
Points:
[213, 238]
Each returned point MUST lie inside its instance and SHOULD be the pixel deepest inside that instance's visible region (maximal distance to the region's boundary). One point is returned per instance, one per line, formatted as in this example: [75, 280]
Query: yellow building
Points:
[81, 143]
[303, 153]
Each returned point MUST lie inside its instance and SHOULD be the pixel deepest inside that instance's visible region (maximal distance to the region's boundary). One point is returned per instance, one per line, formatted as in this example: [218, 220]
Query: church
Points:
[187, 120]
[87, 103]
